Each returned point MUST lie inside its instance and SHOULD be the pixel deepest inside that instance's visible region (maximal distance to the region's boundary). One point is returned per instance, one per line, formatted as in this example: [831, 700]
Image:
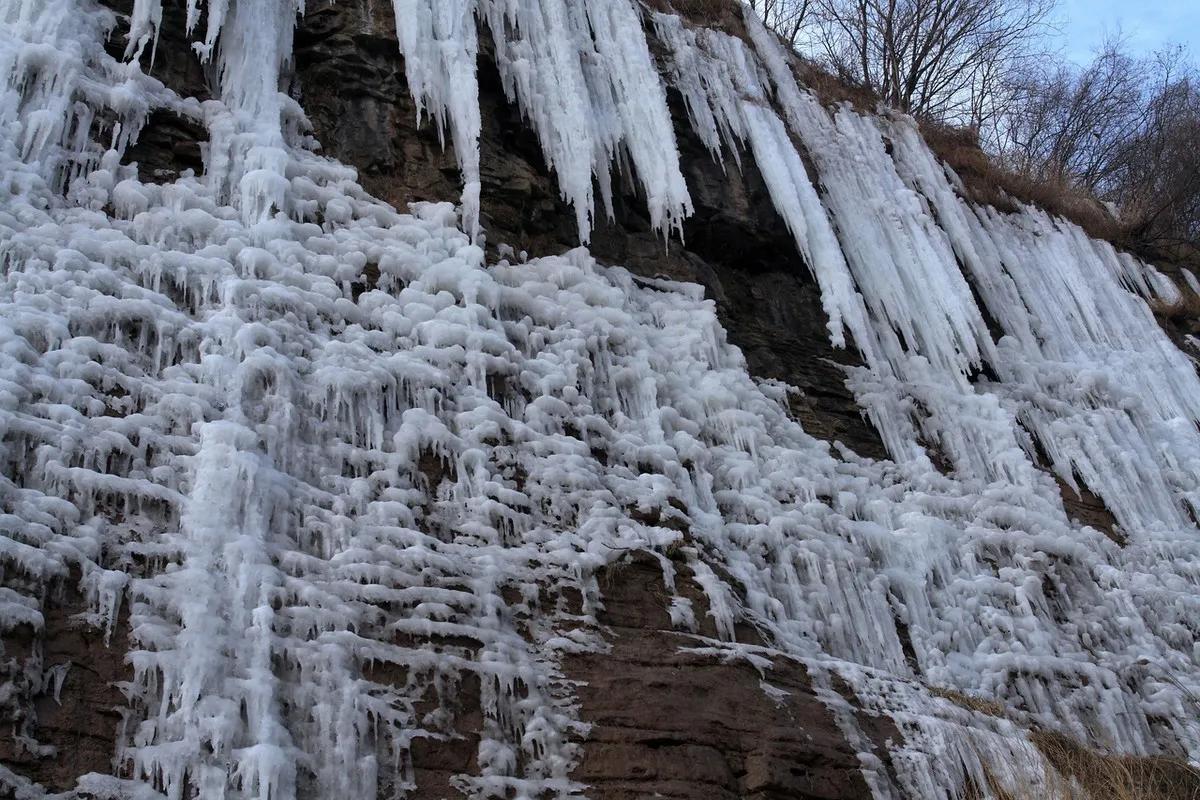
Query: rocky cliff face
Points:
[350, 76]
[664, 723]
[659, 666]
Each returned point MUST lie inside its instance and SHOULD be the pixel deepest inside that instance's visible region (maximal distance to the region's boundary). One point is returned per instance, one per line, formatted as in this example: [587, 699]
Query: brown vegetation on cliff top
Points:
[987, 182]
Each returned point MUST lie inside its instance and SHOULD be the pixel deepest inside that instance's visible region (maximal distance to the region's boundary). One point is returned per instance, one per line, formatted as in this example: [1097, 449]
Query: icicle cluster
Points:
[330, 463]
[583, 77]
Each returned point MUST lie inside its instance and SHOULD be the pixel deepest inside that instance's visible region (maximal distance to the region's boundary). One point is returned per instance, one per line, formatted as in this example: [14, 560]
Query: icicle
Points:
[144, 24]
[584, 78]
[440, 47]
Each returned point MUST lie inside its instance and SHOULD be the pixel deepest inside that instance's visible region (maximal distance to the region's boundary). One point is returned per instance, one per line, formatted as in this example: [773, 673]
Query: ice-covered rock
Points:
[331, 459]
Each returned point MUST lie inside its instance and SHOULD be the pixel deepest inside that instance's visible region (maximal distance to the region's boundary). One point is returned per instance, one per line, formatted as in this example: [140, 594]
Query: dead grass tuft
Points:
[1118, 777]
[978, 704]
[997, 792]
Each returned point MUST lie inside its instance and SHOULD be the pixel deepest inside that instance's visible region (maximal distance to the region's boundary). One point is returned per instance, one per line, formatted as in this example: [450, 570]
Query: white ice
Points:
[320, 502]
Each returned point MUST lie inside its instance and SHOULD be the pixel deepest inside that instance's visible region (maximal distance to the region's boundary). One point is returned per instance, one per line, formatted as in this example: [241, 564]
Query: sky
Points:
[1148, 25]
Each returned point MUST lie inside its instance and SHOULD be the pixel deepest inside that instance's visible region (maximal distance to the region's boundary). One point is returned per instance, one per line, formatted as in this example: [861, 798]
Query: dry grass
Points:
[978, 704]
[1086, 774]
[832, 90]
[1118, 777]
[722, 15]
[995, 790]
[987, 183]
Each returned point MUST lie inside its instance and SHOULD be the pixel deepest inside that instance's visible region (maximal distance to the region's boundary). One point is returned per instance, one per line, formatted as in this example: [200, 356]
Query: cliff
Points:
[334, 467]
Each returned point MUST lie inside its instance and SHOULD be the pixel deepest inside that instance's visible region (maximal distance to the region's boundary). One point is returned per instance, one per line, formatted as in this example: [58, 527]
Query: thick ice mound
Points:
[330, 460]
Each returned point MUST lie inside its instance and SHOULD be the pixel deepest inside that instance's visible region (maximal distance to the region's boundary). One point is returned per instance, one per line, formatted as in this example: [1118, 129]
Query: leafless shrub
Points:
[934, 58]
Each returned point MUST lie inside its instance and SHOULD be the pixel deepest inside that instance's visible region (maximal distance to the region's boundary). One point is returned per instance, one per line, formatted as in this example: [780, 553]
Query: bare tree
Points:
[785, 17]
[1122, 128]
[1067, 125]
[936, 58]
[1156, 182]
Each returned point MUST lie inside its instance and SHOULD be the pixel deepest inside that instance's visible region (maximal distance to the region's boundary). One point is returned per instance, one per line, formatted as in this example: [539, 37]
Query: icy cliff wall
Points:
[341, 484]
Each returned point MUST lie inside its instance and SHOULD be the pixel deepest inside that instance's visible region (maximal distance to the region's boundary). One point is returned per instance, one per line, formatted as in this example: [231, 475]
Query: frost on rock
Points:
[330, 462]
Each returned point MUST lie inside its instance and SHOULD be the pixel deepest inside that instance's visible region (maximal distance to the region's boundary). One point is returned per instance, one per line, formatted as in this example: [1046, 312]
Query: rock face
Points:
[665, 722]
[350, 76]
[77, 710]
[668, 717]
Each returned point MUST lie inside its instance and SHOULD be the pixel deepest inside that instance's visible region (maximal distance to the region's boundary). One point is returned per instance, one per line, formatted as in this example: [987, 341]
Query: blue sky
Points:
[1148, 24]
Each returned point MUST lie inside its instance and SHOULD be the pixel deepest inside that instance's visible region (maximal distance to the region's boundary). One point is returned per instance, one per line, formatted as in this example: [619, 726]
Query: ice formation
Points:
[582, 75]
[328, 461]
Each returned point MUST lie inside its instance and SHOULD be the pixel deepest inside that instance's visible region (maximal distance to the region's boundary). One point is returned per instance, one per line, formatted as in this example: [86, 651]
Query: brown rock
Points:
[82, 721]
[668, 723]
